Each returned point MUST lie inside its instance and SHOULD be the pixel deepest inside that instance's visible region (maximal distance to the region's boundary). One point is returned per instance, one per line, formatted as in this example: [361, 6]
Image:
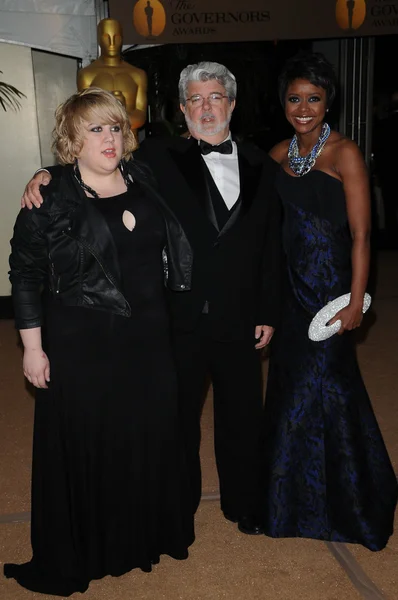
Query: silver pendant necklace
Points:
[301, 165]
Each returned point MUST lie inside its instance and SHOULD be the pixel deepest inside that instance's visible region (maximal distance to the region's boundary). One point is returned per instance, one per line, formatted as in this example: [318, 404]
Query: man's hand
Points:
[36, 367]
[31, 196]
[263, 333]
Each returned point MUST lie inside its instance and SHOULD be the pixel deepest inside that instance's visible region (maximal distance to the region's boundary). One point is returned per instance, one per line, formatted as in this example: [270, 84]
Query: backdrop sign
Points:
[185, 21]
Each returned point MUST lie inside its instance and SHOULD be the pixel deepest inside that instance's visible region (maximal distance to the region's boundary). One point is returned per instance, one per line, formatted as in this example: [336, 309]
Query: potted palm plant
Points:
[9, 96]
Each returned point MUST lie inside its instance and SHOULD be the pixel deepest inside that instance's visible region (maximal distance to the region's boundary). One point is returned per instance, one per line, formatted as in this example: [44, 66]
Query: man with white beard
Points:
[222, 193]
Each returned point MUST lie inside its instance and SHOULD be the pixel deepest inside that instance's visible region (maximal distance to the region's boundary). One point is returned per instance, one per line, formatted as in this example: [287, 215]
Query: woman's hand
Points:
[350, 317]
[36, 367]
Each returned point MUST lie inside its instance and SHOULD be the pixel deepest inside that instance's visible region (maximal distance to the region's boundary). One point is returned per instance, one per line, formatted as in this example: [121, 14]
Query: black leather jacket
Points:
[65, 245]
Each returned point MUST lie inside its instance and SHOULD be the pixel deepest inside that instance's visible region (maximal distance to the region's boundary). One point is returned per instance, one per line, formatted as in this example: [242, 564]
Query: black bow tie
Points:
[224, 148]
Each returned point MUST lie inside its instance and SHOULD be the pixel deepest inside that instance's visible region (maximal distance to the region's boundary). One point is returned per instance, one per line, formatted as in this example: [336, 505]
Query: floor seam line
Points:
[361, 581]
[24, 517]
[21, 517]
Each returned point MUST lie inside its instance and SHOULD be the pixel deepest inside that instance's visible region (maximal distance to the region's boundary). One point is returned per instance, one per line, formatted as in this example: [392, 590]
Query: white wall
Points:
[19, 148]
[55, 81]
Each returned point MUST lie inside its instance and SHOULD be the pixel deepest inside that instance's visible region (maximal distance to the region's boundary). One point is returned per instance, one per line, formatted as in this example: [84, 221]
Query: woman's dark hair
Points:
[311, 66]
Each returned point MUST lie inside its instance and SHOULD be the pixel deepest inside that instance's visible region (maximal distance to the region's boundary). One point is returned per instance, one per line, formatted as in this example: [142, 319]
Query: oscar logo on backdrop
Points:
[149, 18]
[110, 72]
[350, 14]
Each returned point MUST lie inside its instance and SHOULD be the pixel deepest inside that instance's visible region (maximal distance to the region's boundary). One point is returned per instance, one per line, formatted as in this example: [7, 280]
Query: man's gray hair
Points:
[206, 71]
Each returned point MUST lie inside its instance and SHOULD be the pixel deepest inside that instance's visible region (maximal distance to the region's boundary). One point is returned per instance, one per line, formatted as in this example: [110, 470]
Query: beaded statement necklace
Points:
[78, 177]
[301, 165]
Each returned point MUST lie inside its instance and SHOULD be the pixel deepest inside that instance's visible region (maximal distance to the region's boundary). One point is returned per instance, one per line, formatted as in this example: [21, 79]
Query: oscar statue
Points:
[149, 17]
[110, 72]
[350, 9]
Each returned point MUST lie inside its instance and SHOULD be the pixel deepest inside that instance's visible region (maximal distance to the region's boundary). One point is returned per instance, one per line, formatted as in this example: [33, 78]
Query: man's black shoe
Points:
[247, 524]
[232, 518]
[250, 525]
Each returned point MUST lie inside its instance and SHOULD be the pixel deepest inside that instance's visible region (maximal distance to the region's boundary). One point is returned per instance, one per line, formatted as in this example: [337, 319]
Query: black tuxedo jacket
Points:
[236, 270]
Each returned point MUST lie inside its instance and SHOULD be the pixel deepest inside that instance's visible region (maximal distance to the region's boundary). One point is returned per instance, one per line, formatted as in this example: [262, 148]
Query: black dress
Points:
[327, 472]
[109, 482]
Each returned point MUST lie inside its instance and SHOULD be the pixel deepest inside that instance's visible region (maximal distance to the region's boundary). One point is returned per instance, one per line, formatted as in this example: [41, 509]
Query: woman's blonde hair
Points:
[96, 106]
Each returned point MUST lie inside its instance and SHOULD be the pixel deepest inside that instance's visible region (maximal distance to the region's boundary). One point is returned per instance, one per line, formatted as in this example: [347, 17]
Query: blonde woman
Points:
[109, 490]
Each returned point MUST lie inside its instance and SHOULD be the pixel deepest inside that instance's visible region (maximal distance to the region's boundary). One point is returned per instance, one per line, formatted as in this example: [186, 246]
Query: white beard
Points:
[205, 129]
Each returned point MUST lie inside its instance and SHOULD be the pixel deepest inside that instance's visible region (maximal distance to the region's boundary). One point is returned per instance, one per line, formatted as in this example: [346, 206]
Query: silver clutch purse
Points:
[319, 329]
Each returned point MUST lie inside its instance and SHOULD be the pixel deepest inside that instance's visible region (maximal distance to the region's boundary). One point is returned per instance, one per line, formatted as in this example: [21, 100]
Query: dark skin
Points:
[305, 109]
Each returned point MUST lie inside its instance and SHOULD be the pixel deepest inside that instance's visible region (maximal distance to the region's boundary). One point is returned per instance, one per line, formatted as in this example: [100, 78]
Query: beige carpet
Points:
[223, 563]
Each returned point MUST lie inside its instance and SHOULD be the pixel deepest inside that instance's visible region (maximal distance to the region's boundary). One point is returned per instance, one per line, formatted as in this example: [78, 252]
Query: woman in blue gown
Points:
[327, 473]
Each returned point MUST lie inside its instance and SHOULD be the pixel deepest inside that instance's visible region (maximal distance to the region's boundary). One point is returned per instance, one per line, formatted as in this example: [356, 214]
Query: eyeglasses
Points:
[214, 98]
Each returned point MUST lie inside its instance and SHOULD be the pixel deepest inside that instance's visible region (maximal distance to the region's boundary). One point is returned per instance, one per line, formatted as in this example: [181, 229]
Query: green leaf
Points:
[9, 96]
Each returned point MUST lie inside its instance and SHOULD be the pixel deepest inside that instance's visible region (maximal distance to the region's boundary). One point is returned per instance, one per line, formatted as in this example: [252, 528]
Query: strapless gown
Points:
[327, 474]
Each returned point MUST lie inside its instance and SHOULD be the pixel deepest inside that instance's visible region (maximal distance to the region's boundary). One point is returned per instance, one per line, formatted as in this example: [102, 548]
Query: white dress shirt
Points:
[224, 169]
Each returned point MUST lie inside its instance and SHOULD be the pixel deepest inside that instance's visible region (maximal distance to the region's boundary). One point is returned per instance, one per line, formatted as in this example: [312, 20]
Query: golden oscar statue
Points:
[110, 72]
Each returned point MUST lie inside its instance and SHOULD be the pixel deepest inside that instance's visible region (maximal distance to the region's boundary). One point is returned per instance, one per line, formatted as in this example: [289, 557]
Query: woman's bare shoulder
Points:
[279, 151]
[342, 144]
[342, 153]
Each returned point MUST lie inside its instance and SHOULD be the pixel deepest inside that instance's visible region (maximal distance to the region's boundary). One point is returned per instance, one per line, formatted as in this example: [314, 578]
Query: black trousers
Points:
[236, 375]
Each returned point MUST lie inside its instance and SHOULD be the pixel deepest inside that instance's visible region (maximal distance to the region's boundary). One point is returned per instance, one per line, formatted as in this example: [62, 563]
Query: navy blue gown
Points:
[327, 473]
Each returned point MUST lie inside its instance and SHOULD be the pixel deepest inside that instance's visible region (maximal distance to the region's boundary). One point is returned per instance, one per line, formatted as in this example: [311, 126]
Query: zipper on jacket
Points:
[54, 278]
[95, 255]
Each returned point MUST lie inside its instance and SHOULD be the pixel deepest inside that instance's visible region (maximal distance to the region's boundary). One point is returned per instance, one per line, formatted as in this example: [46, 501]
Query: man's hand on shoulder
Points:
[32, 196]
